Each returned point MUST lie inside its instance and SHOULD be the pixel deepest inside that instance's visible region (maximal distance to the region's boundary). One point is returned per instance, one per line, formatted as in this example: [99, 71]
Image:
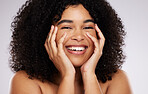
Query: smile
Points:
[76, 49]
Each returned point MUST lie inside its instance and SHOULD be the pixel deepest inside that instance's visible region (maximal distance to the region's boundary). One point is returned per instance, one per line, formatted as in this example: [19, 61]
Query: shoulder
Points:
[119, 76]
[119, 84]
[21, 84]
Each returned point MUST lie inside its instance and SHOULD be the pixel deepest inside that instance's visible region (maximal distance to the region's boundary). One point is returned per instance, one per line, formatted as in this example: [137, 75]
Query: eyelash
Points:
[66, 28]
[88, 28]
[71, 28]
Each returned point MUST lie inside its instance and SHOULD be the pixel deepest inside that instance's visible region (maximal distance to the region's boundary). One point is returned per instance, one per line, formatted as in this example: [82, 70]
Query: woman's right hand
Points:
[57, 54]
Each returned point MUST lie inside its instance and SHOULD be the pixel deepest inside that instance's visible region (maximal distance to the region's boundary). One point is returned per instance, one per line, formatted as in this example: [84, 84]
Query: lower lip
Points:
[77, 52]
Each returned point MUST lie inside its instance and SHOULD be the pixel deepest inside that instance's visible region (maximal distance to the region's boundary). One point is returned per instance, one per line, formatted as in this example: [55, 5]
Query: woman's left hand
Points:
[90, 65]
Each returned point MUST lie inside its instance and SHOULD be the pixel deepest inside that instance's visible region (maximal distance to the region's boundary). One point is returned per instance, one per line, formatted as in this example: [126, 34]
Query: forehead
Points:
[76, 12]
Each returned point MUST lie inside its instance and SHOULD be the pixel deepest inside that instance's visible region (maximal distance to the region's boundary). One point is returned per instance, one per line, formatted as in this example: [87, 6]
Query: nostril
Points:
[78, 37]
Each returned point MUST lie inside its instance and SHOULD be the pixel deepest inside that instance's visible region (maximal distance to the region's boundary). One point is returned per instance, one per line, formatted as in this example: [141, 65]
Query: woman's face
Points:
[76, 21]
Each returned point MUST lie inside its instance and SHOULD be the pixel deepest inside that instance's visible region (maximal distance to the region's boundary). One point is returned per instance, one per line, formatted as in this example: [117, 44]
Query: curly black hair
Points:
[31, 26]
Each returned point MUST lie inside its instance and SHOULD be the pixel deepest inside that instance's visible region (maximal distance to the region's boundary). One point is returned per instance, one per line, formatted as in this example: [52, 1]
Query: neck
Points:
[78, 76]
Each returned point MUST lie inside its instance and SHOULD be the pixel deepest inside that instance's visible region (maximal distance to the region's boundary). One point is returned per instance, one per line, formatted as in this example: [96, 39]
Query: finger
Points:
[60, 43]
[100, 34]
[47, 44]
[50, 33]
[95, 40]
[97, 50]
[49, 36]
[52, 41]
[46, 47]
[48, 51]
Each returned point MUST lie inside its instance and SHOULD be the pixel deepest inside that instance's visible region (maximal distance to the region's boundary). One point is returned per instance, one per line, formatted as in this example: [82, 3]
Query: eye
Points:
[66, 28]
[88, 28]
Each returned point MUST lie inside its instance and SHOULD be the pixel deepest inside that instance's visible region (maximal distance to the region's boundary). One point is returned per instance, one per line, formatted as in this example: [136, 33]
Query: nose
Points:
[78, 36]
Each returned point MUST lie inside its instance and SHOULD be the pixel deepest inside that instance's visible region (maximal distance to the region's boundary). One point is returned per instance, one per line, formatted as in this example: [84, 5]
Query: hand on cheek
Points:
[56, 53]
[90, 65]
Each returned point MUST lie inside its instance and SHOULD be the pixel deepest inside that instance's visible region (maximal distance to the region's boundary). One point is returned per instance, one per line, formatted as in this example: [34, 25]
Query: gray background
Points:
[134, 15]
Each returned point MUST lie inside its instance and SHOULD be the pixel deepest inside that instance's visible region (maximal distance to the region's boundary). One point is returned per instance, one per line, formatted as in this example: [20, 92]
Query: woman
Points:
[81, 53]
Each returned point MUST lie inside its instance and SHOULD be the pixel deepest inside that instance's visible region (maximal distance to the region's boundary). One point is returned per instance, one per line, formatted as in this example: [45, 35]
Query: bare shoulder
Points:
[21, 84]
[120, 75]
[119, 84]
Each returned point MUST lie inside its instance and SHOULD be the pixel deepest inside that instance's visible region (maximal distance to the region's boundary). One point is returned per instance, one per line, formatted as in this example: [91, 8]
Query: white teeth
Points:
[76, 48]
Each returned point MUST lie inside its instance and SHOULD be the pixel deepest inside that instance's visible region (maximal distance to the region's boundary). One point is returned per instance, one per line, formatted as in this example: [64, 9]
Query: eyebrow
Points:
[65, 21]
[70, 21]
[89, 20]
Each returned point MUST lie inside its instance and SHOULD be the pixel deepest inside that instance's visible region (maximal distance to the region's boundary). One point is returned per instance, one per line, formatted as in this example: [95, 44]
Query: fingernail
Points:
[51, 26]
[55, 27]
[87, 33]
[65, 33]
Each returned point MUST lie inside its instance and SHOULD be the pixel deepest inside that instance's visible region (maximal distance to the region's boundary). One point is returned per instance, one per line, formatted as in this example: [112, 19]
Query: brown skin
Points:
[76, 34]
[21, 84]
[77, 72]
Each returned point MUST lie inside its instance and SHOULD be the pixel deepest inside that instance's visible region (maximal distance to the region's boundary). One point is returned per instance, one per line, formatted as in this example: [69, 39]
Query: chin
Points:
[77, 62]
[77, 65]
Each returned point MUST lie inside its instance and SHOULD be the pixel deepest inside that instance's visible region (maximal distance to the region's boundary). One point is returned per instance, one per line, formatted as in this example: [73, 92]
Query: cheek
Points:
[58, 35]
[93, 33]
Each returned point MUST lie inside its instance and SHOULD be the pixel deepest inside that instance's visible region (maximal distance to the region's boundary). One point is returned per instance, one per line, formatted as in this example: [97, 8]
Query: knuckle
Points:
[52, 39]
[46, 41]
[59, 42]
[46, 48]
[50, 42]
[51, 57]
[101, 53]
[59, 54]
[45, 45]
[103, 38]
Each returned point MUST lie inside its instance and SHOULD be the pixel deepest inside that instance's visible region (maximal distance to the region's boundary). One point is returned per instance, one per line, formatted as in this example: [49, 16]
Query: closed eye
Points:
[88, 28]
[66, 28]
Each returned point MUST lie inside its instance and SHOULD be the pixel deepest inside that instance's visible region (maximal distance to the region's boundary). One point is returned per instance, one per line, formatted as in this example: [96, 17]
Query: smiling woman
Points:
[76, 21]
[67, 47]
